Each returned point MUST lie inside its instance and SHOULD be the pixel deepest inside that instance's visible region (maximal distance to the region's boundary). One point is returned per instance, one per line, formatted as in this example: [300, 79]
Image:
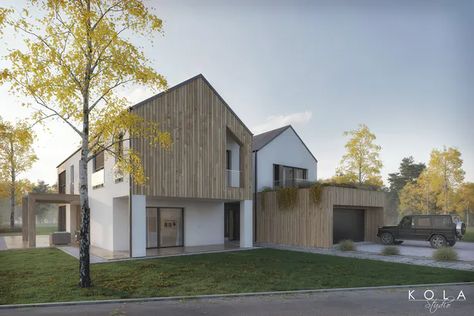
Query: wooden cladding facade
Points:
[311, 225]
[195, 165]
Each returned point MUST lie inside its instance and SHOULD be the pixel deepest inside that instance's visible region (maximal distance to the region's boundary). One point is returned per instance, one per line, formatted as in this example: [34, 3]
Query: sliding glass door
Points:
[151, 227]
[164, 227]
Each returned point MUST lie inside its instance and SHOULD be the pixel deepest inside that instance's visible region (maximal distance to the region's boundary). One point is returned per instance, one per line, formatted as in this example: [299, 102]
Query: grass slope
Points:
[47, 275]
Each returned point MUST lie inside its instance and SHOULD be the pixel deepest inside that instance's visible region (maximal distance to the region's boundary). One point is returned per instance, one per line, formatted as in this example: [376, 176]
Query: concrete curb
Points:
[230, 295]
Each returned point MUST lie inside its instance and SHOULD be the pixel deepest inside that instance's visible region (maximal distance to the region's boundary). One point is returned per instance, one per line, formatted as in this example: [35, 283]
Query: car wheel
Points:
[386, 238]
[438, 241]
[451, 243]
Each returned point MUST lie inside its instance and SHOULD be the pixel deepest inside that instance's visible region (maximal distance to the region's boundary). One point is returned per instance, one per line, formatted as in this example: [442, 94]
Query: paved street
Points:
[359, 302]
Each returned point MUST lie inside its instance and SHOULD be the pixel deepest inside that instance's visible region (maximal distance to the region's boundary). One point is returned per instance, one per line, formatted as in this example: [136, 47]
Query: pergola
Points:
[29, 211]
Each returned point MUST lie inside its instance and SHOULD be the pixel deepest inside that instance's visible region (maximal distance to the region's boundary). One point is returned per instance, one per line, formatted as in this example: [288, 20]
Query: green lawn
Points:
[46, 275]
[41, 229]
[469, 236]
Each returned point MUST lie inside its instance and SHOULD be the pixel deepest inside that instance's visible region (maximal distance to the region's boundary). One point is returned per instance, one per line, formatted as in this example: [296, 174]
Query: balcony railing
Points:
[292, 183]
[233, 178]
[98, 178]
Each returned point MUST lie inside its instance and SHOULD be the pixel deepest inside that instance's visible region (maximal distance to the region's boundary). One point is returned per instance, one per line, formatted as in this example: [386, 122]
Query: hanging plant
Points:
[287, 197]
[316, 192]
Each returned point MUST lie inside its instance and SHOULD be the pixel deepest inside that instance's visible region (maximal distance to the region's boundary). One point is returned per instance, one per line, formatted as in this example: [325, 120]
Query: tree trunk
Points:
[12, 206]
[84, 259]
[12, 187]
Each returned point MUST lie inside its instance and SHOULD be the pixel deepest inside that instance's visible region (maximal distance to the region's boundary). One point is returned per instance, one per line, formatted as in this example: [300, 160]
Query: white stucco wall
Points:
[121, 218]
[286, 149]
[100, 200]
[203, 221]
[246, 223]
[138, 226]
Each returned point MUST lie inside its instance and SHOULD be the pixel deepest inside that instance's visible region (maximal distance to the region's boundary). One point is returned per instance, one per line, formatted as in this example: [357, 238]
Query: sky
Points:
[404, 68]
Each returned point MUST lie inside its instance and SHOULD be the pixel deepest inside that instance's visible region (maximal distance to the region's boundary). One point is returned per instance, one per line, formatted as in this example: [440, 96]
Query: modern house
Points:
[217, 185]
[281, 158]
[207, 170]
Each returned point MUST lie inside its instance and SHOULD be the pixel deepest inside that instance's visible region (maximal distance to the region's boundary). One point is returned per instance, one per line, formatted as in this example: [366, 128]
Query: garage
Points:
[340, 213]
[348, 223]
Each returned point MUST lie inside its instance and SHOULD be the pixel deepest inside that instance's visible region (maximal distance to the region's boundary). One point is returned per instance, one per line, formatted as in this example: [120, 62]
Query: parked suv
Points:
[439, 230]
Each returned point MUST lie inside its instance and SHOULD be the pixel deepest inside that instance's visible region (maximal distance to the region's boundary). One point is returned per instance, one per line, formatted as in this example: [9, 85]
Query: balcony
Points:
[233, 178]
[292, 182]
[97, 179]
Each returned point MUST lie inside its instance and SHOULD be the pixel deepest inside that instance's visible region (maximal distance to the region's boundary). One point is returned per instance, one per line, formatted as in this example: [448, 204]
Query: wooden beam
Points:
[24, 218]
[31, 222]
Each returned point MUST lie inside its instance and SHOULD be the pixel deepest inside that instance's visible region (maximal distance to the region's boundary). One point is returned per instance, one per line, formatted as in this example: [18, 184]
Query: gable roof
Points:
[262, 140]
[199, 76]
[171, 89]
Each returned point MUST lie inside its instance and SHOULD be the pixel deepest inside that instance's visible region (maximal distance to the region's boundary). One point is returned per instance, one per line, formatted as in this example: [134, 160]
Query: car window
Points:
[405, 222]
[423, 222]
[441, 221]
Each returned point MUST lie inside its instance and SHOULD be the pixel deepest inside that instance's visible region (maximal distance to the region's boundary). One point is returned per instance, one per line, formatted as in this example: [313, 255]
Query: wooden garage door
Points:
[348, 224]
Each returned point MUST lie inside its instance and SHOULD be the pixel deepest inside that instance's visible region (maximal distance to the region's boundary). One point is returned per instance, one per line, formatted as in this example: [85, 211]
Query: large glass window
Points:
[284, 176]
[62, 182]
[164, 227]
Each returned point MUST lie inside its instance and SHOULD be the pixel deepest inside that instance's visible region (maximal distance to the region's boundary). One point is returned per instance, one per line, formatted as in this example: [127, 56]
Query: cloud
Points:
[276, 121]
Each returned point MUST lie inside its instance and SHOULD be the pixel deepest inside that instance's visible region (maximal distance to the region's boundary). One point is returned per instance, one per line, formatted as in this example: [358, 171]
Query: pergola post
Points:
[24, 218]
[31, 221]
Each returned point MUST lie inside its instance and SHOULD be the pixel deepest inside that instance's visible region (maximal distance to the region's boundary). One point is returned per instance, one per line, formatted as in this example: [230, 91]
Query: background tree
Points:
[435, 189]
[16, 157]
[77, 54]
[408, 172]
[418, 197]
[361, 163]
[43, 210]
[464, 201]
[446, 175]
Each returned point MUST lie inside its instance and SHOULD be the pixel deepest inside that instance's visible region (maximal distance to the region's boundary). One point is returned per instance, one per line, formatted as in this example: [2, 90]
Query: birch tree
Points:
[361, 163]
[77, 55]
[16, 157]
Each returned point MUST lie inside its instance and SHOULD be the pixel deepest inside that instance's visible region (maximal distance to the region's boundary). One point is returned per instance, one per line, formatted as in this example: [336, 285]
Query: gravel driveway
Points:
[417, 248]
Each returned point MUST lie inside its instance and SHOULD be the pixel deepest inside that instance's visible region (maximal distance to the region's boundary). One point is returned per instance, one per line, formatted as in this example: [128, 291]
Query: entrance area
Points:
[232, 221]
[348, 224]
[164, 227]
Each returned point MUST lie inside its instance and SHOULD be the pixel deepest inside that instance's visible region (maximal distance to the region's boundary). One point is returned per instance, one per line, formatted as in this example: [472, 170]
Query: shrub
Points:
[315, 192]
[390, 251]
[287, 197]
[347, 245]
[445, 254]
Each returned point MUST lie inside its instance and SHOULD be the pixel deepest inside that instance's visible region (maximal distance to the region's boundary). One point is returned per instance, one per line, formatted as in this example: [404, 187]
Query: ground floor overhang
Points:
[30, 201]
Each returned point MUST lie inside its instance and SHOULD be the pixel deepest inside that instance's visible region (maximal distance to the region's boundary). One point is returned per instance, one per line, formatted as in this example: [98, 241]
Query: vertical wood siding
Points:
[195, 165]
[310, 225]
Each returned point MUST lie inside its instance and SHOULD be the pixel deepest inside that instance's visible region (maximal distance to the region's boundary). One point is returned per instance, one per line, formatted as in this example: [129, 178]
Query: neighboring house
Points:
[195, 191]
[281, 159]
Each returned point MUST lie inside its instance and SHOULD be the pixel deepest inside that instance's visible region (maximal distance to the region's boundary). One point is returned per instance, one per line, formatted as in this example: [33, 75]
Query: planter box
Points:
[60, 238]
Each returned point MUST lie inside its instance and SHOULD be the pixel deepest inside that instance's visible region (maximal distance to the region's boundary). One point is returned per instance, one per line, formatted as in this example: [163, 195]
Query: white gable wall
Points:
[285, 149]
